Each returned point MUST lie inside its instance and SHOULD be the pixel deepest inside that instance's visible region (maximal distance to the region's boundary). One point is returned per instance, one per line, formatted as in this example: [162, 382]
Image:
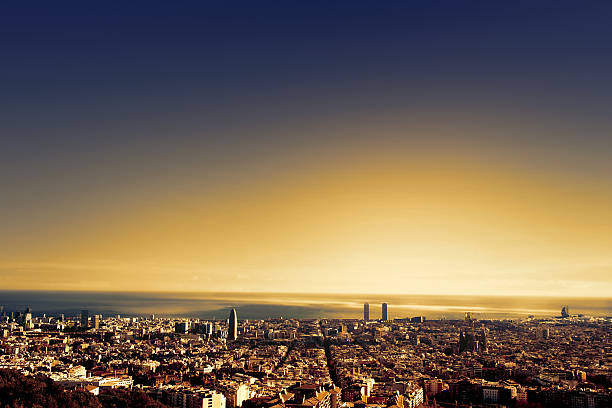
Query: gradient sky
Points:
[426, 147]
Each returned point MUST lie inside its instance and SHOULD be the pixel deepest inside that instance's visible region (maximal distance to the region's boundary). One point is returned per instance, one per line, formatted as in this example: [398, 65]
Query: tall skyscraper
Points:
[208, 328]
[233, 325]
[484, 342]
[85, 318]
[384, 312]
[27, 319]
[366, 311]
[96, 322]
[565, 311]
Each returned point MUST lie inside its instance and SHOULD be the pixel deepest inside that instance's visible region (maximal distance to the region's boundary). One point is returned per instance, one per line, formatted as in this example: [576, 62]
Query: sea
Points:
[296, 305]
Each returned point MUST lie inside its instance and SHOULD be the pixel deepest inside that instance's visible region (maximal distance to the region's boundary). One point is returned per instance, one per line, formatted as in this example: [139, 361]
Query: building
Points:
[181, 327]
[366, 311]
[85, 318]
[307, 396]
[384, 312]
[298, 396]
[27, 319]
[236, 394]
[200, 398]
[96, 322]
[434, 386]
[498, 393]
[565, 311]
[206, 399]
[413, 397]
[233, 325]
[207, 328]
[93, 389]
[490, 394]
[521, 395]
[484, 341]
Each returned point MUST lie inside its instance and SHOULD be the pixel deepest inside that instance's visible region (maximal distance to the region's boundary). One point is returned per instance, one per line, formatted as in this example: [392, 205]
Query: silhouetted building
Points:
[85, 318]
[565, 311]
[181, 327]
[27, 319]
[233, 325]
[467, 342]
[366, 311]
[384, 311]
[484, 342]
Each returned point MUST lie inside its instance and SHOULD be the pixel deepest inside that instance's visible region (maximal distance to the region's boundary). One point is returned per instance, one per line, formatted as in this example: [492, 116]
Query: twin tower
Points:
[366, 311]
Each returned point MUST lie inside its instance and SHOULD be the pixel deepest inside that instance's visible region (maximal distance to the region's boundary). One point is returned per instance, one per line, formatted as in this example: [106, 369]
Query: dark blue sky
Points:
[113, 82]
[70, 67]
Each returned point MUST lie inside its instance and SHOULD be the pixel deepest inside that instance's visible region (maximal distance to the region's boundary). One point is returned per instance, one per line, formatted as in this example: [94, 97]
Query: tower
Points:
[384, 312]
[233, 325]
[565, 311]
[366, 311]
[483, 339]
[85, 318]
[27, 319]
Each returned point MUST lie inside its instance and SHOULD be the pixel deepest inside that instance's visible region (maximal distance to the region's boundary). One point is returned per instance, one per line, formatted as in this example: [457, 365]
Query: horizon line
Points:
[127, 291]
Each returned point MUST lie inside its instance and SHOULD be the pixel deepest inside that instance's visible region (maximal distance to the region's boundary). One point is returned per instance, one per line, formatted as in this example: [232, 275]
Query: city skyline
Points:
[337, 363]
[456, 149]
[288, 306]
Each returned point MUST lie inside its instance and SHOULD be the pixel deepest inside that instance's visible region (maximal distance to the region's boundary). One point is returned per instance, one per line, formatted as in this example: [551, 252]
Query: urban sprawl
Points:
[562, 361]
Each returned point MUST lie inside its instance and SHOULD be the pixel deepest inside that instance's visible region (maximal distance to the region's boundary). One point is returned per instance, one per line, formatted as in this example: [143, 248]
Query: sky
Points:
[413, 147]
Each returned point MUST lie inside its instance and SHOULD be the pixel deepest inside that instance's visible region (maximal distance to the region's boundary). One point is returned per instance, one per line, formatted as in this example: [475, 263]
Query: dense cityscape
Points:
[562, 361]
